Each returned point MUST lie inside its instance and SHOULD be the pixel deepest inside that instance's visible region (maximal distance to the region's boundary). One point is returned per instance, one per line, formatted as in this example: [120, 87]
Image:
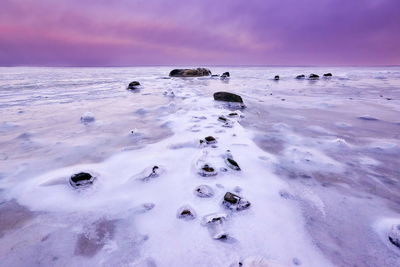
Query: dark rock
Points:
[313, 76]
[199, 72]
[225, 75]
[328, 74]
[235, 202]
[215, 75]
[394, 235]
[133, 85]
[276, 78]
[81, 180]
[222, 118]
[204, 191]
[233, 114]
[210, 140]
[207, 171]
[230, 161]
[302, 76]
[227, 97]
[186, 212]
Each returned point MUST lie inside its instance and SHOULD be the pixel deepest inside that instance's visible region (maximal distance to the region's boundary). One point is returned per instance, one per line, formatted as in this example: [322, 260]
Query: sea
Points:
[319, 164]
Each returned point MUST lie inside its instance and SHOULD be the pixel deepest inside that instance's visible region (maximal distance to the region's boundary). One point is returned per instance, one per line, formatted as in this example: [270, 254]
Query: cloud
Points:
[122, 32]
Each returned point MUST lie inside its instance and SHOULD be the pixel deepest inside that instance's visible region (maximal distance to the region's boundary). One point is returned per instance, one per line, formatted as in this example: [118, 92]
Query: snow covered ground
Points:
[319, 164]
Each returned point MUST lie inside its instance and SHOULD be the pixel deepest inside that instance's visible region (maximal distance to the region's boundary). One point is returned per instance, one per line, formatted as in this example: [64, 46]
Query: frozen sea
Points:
[319, 159]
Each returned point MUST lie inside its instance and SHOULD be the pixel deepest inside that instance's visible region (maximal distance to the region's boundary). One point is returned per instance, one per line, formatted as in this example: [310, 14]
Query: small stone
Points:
[230, 161]
[394, 235]
[149, 173]
[276, 78]
[313, 76]
[328, 74]
[235, 202]
[226, 74]
[133, 85]
[207, 171]
[186, 212]
[87, 117]
[215, 222]
[81, 180]
[302, 76]
[233, 114]
[210, 140]
[222, 118]
[204, 191]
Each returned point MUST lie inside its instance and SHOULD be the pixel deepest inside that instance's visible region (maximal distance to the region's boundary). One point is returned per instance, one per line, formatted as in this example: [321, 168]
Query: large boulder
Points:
[227, 97]
[199, 72]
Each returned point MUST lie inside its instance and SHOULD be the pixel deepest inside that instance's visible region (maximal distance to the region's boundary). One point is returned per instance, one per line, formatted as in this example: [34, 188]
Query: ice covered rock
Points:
[328, 74]
[313, 76]
[87, 117]
[186, 212]
[394, 235]
[257, 261]
[207, 170]
[149, 173]
[81, 180]
[226, 74]
[230, 161]
[276, 78]
[214, 223]
[235, 202]
[133, 85]
[204, 191]
[301, 76]
[210, 140]
[190, 72]
[227, 97]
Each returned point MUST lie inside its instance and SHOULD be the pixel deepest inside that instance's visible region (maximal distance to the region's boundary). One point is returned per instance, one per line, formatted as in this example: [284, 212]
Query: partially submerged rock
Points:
[204, 191]
[81, 180]
[301, 76]
[225, 75]
[276, 78]
[210, 140]
[215, 222]
[133, 85]
[313, 76]
[328, 74]
[230, 161]
[227, 97]
[186, 212]
[235, 202]
[149, 173]
[87, 117]
[199, 72]
[206, 171]
[394, 235]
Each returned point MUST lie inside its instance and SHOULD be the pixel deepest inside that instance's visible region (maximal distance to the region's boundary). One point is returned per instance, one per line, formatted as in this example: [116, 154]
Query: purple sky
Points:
[199, 32]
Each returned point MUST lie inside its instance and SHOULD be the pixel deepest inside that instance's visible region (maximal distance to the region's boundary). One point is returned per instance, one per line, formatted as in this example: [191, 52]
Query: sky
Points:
[199, 32]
